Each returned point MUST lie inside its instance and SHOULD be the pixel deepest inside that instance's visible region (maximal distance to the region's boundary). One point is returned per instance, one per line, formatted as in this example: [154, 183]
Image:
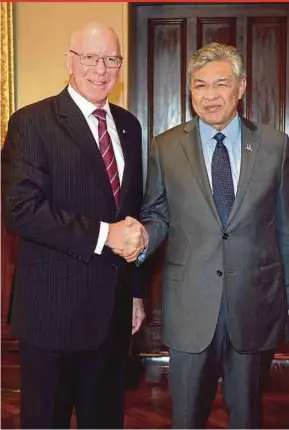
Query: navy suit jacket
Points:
[56, 192]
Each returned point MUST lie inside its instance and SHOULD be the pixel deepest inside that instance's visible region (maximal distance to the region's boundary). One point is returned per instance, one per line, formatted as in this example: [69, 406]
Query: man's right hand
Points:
[127, 238]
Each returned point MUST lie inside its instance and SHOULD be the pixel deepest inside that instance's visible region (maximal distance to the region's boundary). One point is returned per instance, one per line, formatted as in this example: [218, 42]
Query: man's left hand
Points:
[138, 314]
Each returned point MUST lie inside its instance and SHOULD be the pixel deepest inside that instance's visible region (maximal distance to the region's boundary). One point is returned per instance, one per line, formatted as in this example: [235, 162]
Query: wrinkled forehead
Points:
[214, 70]
[98, 41]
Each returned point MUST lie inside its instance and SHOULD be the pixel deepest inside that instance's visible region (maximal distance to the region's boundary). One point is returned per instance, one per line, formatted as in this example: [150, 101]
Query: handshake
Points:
[127, 238]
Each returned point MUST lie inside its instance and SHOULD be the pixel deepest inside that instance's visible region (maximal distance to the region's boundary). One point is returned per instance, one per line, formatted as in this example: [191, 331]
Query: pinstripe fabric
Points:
[56, 192]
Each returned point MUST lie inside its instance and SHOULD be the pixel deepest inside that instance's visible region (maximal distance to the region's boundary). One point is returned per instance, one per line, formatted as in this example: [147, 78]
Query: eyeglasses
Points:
[110, 61]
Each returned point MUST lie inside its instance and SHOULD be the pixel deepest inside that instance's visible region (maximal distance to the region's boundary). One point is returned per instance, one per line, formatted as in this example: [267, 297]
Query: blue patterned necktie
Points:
[222, 181]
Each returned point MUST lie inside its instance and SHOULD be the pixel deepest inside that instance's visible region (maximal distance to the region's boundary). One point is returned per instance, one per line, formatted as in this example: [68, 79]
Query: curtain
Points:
[9, 242]
[7, 66]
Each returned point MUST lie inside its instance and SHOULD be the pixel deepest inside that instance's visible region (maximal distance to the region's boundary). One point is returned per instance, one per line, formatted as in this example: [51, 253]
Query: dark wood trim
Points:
[183, 57]
[282, 73]
[150, 74]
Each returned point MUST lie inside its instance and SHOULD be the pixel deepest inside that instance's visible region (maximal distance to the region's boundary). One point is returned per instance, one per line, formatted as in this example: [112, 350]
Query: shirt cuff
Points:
[103, 233]
[141, 258]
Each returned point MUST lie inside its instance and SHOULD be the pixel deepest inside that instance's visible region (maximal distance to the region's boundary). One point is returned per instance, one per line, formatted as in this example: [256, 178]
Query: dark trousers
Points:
[91, 382]
[52, 383]
[193, 380]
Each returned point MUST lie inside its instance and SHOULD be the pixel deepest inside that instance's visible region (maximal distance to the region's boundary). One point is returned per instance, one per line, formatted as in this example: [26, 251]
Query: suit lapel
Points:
[74, 124]
[191, 144]
[250, 142]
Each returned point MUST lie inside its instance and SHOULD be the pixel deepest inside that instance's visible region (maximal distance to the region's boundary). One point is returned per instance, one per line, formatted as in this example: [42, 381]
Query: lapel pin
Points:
[248, 147]
[123, 131]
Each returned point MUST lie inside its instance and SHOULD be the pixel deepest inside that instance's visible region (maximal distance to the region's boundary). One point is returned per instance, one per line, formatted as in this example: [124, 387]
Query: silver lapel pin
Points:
[248, 147]
[123, 131]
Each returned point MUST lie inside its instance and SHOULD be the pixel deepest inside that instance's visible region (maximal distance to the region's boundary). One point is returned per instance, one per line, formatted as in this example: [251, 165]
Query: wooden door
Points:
[163, 36]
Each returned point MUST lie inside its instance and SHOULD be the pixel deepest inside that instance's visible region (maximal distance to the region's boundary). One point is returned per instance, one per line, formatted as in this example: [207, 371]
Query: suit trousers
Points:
[193, 382]
[53, 383]
[91, 382]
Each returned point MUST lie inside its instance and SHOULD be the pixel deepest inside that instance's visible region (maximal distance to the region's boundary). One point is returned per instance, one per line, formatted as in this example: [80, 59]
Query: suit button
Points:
[219, 273]
[225, 236]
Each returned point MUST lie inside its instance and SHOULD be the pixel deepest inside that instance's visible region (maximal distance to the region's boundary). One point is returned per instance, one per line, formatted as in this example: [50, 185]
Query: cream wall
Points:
[42, 32]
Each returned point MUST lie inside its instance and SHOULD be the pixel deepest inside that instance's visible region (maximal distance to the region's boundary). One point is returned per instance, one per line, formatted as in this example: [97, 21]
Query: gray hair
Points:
[218, 52]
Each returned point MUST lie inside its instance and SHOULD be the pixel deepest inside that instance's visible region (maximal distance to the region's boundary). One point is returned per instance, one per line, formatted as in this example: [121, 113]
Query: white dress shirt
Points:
[87, 109]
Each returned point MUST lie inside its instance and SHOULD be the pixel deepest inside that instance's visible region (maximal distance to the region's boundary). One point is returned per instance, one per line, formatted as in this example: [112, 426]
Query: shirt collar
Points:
[231, 131]
[86, 106]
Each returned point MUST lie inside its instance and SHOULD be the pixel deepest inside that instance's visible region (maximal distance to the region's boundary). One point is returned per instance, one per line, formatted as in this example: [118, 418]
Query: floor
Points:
[147, 399]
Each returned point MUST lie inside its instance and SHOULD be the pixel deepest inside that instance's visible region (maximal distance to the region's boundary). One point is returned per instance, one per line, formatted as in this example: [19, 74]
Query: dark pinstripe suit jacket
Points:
[56, 192]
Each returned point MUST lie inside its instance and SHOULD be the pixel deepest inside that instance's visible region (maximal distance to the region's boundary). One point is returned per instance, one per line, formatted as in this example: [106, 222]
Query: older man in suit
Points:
[218, 189]
[72, 182]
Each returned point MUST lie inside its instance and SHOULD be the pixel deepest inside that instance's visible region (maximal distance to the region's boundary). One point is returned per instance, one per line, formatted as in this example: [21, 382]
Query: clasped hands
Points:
[127, 238]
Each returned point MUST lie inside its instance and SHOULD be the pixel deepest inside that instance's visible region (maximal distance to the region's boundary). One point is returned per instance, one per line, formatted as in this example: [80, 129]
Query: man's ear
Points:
[242, 88]
[68, 62]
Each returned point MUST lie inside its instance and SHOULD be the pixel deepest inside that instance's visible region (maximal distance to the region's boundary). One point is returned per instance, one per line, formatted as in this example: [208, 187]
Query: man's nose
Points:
[100, 67]
[211, 93]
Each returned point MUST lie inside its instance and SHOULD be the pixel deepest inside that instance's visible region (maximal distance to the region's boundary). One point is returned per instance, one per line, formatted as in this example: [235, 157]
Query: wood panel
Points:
[218, 29]
[166, 53]
[266, 92]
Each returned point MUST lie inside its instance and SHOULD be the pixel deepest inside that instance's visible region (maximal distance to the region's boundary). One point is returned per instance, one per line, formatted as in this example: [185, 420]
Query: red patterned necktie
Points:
[107, 153]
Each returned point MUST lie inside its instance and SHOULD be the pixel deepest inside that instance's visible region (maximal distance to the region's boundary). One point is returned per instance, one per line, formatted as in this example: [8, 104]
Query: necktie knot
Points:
[100, 114]
[219, 137]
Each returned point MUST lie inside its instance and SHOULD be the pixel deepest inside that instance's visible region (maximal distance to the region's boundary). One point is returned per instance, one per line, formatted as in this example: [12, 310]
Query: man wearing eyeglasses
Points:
[72, 187]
